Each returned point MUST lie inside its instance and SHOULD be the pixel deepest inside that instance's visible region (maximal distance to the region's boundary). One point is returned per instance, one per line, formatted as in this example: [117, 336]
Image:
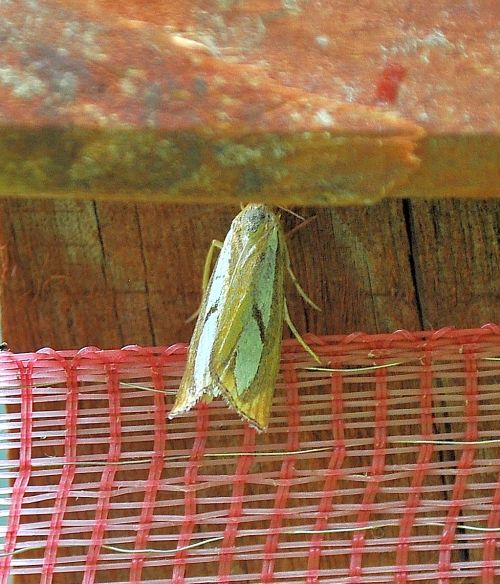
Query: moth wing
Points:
[235, 348]
[246, 355]
[255, 402]
[196, 381]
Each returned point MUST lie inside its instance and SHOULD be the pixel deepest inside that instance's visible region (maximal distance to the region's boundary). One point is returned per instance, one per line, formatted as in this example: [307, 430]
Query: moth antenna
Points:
[304, 223]
[291, 213]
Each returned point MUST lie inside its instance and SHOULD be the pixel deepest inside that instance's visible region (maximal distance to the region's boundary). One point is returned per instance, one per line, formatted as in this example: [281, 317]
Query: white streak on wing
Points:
[201, 371]
[220, 274]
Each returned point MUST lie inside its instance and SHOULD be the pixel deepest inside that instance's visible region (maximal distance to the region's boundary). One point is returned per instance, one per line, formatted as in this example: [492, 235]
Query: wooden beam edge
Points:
[305, 168]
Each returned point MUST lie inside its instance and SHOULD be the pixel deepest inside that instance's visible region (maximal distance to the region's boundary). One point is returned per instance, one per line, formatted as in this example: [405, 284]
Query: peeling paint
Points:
[23, 85]
[229, 154]
[322, 41]
[324, 118]
[128, 87]
[292, 6]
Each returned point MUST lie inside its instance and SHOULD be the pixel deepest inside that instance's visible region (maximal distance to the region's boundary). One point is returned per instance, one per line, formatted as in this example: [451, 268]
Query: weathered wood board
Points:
[312, 103]
[110, 274]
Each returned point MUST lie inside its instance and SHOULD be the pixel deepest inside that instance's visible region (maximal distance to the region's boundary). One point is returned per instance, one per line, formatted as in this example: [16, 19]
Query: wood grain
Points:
[455, 248]
[109, 274]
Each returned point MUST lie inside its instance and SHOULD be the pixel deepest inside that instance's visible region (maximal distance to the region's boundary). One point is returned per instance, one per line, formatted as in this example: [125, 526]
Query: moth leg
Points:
[216, 244]
[297, 335]
[300, 290]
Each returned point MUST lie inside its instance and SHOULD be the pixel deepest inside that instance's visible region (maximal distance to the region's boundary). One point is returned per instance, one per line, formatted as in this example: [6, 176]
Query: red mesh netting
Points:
[384, 470]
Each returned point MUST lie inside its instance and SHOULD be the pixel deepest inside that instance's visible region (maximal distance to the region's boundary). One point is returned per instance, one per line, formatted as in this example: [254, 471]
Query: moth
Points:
[236, 344]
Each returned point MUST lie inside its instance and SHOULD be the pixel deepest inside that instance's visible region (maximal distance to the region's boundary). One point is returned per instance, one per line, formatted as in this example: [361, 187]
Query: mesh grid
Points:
[384, 470]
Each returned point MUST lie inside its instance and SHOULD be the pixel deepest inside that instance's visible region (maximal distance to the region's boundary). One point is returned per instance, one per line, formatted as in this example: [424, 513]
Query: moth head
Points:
[257, 217]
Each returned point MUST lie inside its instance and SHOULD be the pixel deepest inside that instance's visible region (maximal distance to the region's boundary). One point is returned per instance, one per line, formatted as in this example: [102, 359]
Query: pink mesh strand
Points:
[384, 470]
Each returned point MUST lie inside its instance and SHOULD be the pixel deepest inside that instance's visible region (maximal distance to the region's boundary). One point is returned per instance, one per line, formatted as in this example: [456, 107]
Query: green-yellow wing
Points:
[246, 351]
[235, 348]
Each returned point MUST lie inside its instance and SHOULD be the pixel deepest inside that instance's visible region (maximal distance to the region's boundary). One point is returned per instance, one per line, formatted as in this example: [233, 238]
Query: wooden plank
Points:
[187, 65]
[109, 274]
[282, 102]
[78, 273]
[455, 248]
